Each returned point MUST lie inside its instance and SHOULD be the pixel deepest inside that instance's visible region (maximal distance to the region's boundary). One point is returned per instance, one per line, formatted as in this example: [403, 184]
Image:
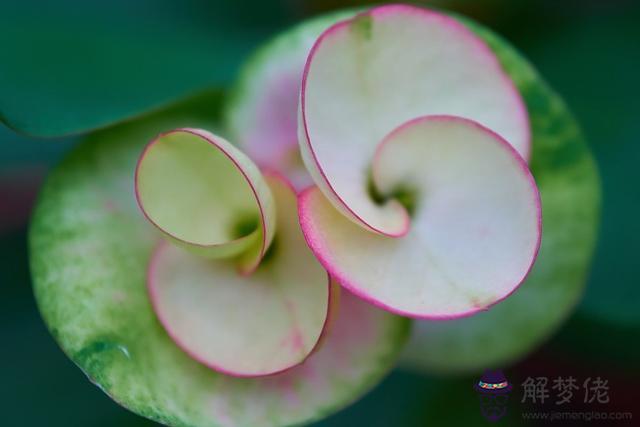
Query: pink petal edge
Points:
[210, 138]
[322, 253]
[382, 10]
[326, 327]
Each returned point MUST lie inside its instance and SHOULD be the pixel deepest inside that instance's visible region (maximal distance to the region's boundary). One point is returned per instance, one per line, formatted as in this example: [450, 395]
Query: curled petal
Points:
[476, 223]
[368, 75]
[206, 195]
[246, 326]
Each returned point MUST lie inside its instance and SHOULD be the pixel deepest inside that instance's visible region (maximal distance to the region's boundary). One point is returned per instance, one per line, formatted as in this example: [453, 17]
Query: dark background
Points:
[588, 50]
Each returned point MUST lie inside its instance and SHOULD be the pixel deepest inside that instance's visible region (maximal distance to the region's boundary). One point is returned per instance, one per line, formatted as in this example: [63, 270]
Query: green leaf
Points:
[576, 56]
[569, 185]
[562, 165]
[69, 67]
[90, 247]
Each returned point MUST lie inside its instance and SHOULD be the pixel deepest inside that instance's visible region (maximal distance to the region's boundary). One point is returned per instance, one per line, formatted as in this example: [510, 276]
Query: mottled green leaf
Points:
[574, 57]
[567, 177]
[563, 167]
[89, 252]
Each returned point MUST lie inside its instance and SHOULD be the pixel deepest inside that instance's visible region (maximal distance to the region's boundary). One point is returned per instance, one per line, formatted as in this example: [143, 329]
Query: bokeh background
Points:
[104, 56]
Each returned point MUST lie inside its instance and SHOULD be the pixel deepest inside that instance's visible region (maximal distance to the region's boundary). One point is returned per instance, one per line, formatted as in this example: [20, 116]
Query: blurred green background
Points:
[66, 67]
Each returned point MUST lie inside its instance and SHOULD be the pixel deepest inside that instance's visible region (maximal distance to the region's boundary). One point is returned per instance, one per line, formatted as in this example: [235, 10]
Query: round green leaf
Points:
[576, 56]
[564, 170]
[569, 186]
[90, 247]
